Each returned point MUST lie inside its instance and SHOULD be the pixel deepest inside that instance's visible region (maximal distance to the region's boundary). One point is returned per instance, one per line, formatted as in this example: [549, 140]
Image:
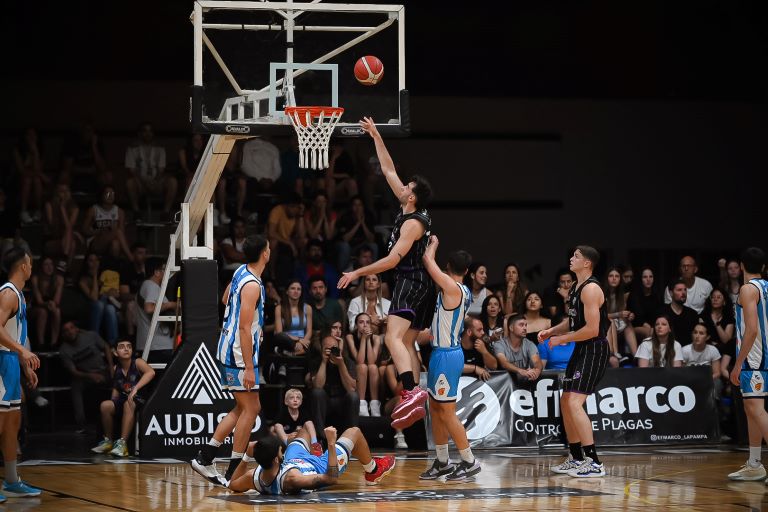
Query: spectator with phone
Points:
[492, 318]
[332, 382]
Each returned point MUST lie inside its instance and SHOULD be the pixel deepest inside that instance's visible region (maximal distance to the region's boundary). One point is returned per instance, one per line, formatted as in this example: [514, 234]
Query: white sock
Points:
[442, 453]
[314, 439]
[246, 458]
[214, 443]
[236, 455]
[755, 456]
[466, 455]
[370, 467]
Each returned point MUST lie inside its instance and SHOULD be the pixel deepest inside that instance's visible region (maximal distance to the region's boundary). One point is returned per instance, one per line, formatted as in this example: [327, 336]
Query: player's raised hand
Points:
[369, 126]
[431, 250]
[347, 278]
[330, 435]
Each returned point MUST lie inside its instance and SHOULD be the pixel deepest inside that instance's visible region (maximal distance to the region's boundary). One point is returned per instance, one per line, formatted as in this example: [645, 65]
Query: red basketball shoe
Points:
[384, 466]
[409, 400]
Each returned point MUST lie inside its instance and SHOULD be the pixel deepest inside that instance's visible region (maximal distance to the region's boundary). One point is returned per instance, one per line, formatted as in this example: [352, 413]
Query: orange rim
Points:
[314, 112]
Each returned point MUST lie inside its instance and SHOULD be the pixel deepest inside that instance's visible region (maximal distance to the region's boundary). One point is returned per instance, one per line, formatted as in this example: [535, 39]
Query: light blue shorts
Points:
[10, 381]
[232, 378]
[445, 367]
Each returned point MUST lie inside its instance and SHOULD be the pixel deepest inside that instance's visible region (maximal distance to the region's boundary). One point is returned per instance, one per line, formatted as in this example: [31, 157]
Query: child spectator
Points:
[292, 418]
[130, 374]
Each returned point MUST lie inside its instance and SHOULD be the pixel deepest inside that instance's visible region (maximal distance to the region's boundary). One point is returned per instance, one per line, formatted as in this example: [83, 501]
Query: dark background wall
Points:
[637, 128]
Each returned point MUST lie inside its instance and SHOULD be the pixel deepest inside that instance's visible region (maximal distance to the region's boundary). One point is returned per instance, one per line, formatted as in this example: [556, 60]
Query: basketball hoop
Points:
[314, 126]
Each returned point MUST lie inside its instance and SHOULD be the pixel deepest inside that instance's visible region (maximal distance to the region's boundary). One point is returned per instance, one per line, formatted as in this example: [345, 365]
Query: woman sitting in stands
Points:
[512, 292]
[534, 315]
[660, 350]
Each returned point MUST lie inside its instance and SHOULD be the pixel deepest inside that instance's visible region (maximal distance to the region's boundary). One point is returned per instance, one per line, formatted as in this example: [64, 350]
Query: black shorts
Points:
[586, 366]
[414, 297]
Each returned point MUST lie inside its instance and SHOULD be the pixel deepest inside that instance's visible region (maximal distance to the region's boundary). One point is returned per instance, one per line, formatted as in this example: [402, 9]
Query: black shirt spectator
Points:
[682, 324]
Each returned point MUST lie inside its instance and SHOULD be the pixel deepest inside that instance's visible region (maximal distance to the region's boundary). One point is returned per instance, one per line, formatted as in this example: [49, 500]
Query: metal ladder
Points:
[195, 209]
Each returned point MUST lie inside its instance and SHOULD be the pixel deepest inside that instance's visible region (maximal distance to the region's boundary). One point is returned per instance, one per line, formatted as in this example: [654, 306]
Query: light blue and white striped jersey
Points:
[448, 324]
[17, 324]
[229, 351]
[756, 360]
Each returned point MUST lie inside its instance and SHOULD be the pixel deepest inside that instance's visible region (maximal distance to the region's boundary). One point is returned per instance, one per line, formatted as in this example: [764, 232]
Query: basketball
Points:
[369, 70]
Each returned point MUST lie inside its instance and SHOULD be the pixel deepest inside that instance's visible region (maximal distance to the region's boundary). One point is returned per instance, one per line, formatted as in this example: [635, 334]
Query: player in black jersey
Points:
[587, 324]
[414, 295]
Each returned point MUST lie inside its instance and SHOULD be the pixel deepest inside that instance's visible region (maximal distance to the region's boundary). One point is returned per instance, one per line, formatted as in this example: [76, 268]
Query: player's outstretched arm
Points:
[387, 164]
[411, 231]
[451, 292]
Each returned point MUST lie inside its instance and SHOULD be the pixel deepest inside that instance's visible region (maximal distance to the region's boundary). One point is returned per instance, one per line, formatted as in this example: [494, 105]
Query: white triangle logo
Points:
[200, 382]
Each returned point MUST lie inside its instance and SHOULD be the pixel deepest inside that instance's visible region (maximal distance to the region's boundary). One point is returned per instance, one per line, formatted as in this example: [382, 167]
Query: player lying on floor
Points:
[294, 469]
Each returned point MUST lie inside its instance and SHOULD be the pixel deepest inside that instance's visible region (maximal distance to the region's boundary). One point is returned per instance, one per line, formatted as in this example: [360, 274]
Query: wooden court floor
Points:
[687, 478]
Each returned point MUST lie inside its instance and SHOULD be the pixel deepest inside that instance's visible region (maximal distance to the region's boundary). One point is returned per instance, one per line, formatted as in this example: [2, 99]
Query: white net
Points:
[314, 126]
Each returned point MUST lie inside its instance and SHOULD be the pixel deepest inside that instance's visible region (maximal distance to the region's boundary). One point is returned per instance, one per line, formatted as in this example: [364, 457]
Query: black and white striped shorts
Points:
[586, 366]
[414, 297]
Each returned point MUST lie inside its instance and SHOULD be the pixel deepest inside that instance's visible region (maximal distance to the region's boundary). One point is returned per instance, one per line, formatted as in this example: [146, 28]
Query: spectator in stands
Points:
[87, 358]
[261, 163]
[129, 376]
[325, 311]
[355, 229]
[701, 353]
[231, 179]
[718, 317]
[145, 162]
[161, 349]
[132, 275]
[556, 296]
[320, 219]
[492, 318]
[293, 321]
[232, 246]
[512, 292]
[332, 382]
[616, 302]
[534, 315]
[287, 236]
[364, 348]
[475, 280]
[45, 312]
[661, 349]
[101, 288]
[28, 160]
[478, 359]
[61, 212]
[315, 265]
[84, 167]
[682, 318]
[516, 353]
[190, 156]
[628, 279]
[698, 289]
[364, 258]
[731, 277]
[292, 418]
[340, 184]
[646, 302]
[371, 302]
[555, 358]
[104, 225]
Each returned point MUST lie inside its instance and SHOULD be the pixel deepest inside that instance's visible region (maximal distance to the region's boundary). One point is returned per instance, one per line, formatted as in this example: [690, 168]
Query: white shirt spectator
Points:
[697, 294]
[692, 357]
[645, 351]
[149, 292]
[147, 161]
[360, 305]
[232, 265]
[261, 159]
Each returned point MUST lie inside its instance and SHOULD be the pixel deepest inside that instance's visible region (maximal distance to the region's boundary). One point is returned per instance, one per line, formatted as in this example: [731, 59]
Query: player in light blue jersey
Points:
[446, 364]
[750, 370]
[295, 469]
[238, 355]
[13, 338]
